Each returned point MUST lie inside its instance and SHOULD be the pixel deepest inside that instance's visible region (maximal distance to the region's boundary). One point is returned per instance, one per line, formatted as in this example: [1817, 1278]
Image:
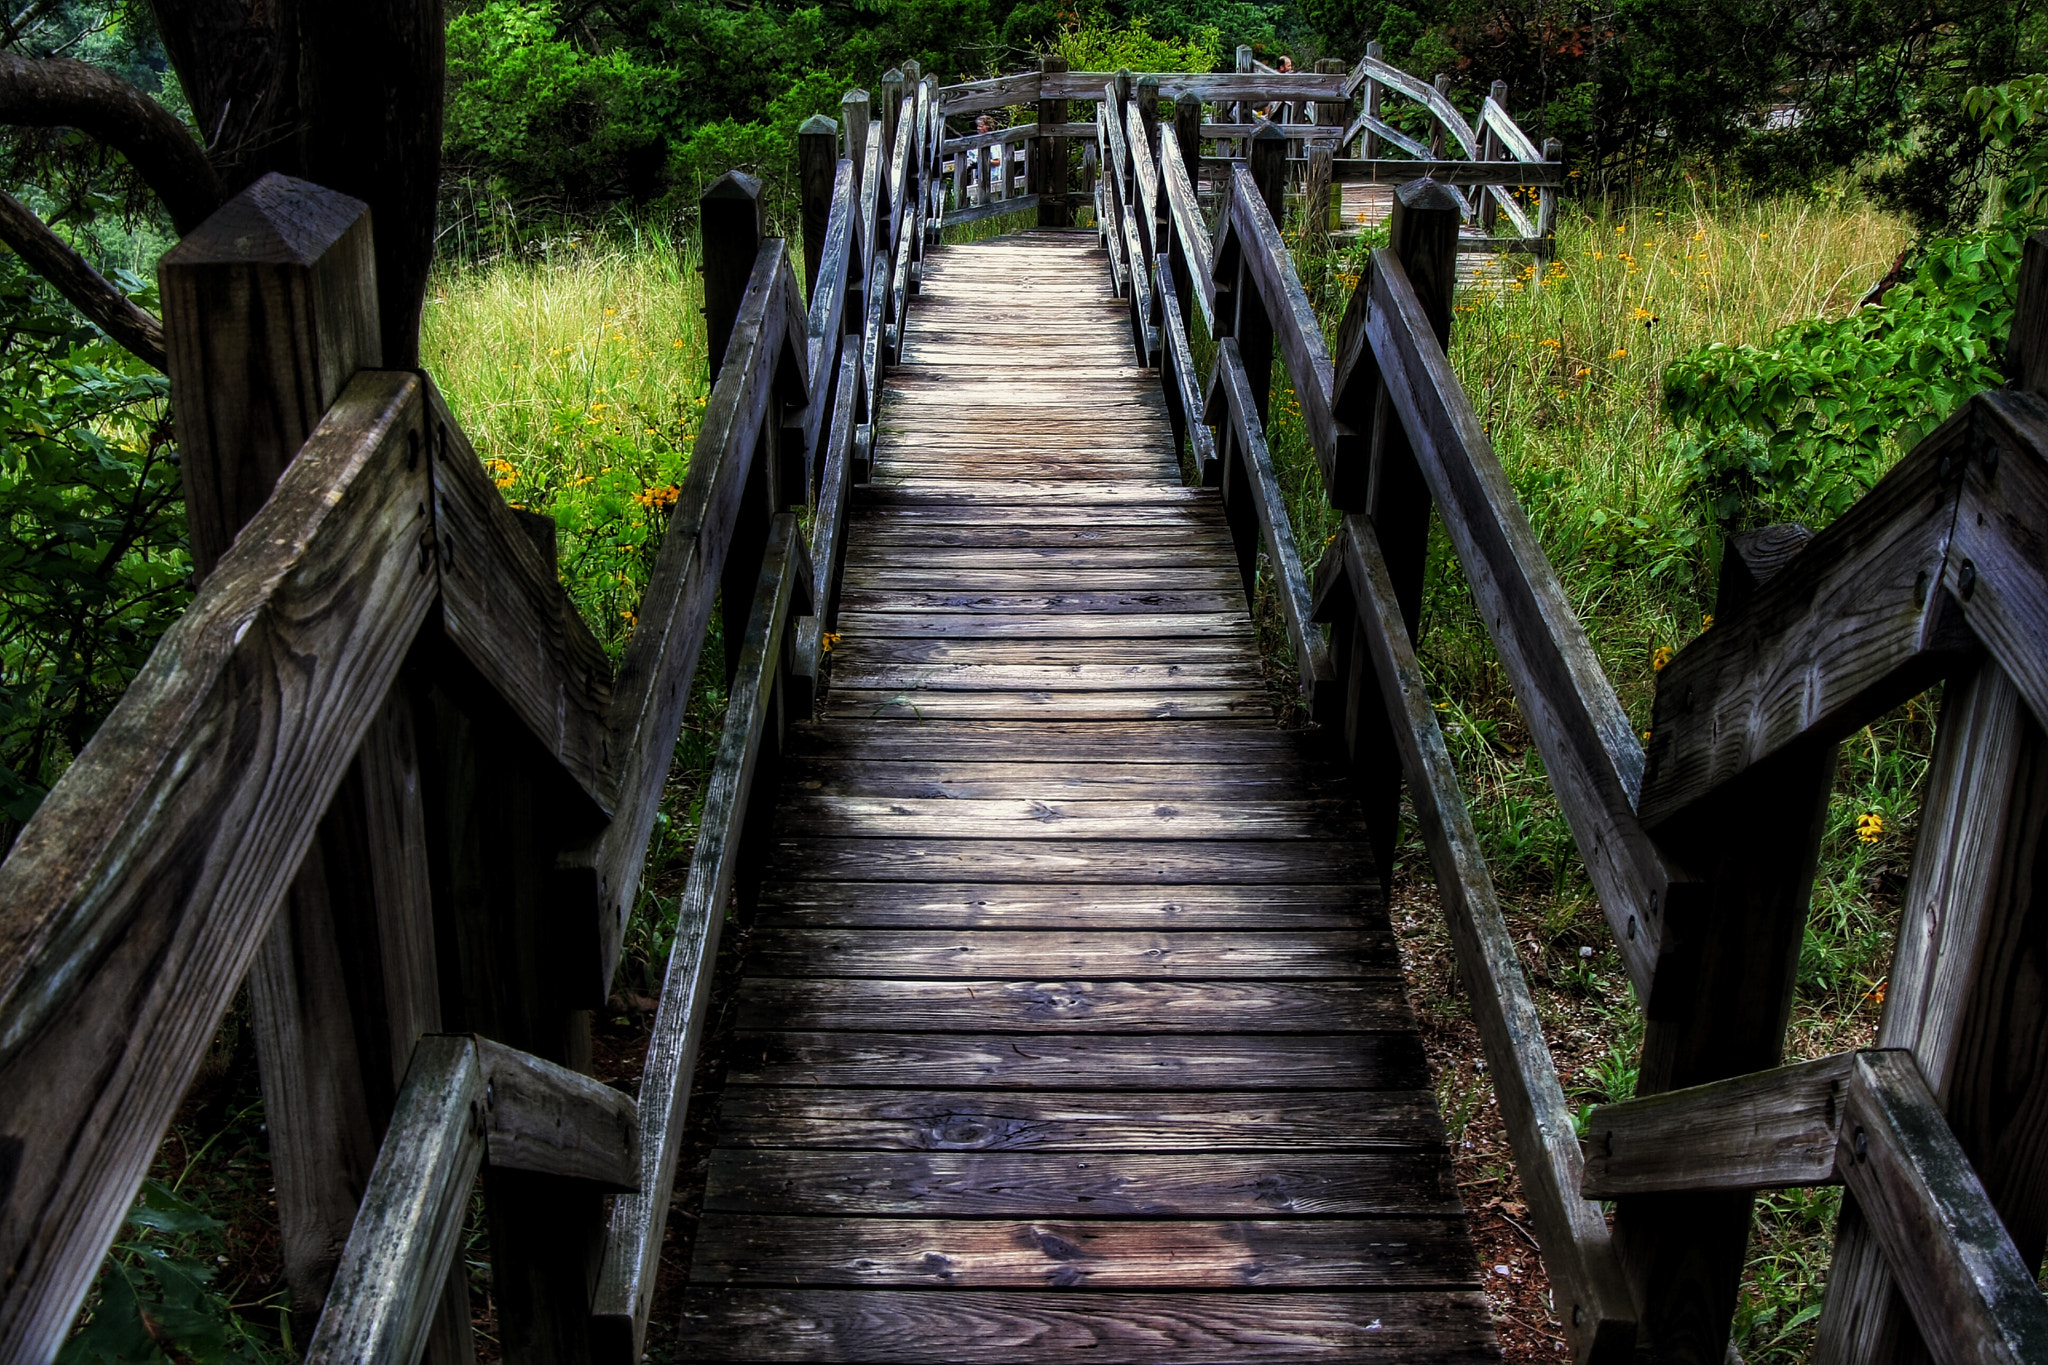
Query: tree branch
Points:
[60, 92]
[49, 256]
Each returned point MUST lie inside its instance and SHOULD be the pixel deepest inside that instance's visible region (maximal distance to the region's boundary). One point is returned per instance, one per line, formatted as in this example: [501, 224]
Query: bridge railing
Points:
[1496, 169]
[1702, 848]
[381, 771]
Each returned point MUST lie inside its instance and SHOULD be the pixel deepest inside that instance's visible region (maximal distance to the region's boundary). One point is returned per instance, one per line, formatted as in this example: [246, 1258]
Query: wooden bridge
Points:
[1072, 1024]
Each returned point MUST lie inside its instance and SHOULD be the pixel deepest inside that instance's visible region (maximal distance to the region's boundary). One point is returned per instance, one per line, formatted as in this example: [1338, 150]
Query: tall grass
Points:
[577, 368]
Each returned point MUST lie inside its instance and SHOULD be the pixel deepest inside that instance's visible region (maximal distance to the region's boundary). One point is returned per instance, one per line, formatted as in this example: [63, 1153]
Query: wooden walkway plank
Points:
[1072, 1022]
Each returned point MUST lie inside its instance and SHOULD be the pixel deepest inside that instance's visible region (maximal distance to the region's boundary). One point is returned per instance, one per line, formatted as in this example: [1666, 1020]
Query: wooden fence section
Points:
[381, 771]
[1702, 849]
[1318, 114]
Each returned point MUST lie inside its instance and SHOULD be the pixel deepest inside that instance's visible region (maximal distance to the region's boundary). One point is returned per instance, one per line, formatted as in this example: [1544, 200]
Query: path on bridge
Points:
[1073, 1022]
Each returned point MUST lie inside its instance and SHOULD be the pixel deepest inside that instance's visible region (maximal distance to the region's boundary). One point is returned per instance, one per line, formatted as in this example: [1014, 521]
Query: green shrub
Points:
[93, 565]
[1800, 427]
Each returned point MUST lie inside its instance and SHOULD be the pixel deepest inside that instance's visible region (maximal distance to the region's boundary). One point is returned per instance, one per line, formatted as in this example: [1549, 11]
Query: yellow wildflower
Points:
[1619, 355]
[1870, 827]
[1660, 658]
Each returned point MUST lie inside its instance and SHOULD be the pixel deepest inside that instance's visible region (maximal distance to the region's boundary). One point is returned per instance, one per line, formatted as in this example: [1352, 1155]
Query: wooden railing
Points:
[382, 772]
[1703, 849]
[1318, 114]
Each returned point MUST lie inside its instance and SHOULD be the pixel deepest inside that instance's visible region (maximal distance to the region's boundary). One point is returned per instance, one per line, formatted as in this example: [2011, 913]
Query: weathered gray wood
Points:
[1028, 1184]
[2026, 350]
[547, 1119]
[1589, 749]
[1360, 999]
[1052, 151]
[1079, 906]
[1954, 995]
[1074, 1254]
[1377, 171]
[1751, 559]
[147, 879]
[1593, 1301]
[1761, 1131]
[625, 1285]
[399, 1252]
[1996, 566]
[1000, 92]
[969, 1327]
[817, 155]
[1365, 1061]
[1972, 1296]
[1064, 954]
[1196, 1122]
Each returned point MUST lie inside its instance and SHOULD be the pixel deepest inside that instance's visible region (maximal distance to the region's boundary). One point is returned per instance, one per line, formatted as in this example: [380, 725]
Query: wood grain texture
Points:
[1076, 1254]
[545, 1118]
[1090, 1184]
[1972, 1295]
[912, 1326]
[653, 686]
[387, 1285]
[1761, 1131]
[1099, 954]
[1363, 1001]
[147, 878]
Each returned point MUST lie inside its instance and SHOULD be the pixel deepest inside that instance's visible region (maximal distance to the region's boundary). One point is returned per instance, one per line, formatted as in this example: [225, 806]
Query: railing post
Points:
[1241, 112]
[1146, 92]
[892, 108]
[1254, 328]
[1490, 150]
[1187, 134]
[817, 144]
[1054, 210]
[1439, 133]
[853, 117]
[733, 231]
[1371, 150]
[1546, 204]
[1321, 155]
[270, 306]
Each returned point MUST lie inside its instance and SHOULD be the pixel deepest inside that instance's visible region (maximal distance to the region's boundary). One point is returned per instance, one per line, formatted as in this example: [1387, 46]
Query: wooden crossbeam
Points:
[1866, 1120]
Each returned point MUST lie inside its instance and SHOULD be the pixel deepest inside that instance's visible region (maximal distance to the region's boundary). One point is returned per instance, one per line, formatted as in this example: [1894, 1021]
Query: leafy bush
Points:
[1095, 46]
[1798, 428]
[93, 564]
[539, 116]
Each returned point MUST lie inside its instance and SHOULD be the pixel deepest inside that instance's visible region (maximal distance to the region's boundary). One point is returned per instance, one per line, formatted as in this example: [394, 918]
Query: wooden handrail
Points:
[467, 1102]
[632, 1253]
[1187, 227]
[146, 880]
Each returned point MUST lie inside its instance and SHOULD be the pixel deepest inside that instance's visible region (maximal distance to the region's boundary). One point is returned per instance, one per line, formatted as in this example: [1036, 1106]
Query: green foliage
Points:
[1798, 428]
[538, 115]
[156, 1300]
[92, 563]
[1094, 46]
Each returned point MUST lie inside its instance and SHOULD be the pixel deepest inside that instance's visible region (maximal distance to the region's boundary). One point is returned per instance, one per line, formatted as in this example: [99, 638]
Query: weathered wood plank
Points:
[1098, 1184]
[387, 1285]
[919, 817]
[1076, 1254]
[910, 704]
[1363, 1061]
[146, 880]
[1185, 1121]
[1589, 747]
[1760, 1131]
[1972, 1296]
[550, 1120]
[1158, 742]
[1055, 954]
[1178, 862]
[1081, 906]
[967, 1327]
[1593, 1300]
[1367, 999]
[1037, 781]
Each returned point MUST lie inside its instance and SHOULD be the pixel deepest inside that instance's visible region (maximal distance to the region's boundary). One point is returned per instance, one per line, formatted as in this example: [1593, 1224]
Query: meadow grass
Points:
[577, 369]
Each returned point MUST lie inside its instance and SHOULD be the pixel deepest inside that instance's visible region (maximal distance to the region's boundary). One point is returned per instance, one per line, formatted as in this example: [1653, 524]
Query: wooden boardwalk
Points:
[1073, 1024]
